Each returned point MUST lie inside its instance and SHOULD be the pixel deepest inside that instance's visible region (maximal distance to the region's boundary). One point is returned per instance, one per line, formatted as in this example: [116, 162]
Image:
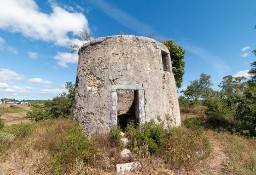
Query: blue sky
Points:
[35, 37]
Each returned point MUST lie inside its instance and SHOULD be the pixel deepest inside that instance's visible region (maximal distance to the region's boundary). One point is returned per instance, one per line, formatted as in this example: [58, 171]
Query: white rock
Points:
[124, 141]
[125, 153]
[122, 134]
[121, 168]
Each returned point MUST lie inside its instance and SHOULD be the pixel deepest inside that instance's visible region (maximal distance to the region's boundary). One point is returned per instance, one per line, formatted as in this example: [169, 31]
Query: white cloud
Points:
[6, 74]
[38, 80]
[65, 58]
[243, 73]
[26, 18]
[3, 46]
[245, 48]
[4, 85]
[33, 55]
[246, 54]
[2, 41]
[56, 91]
[14, 90]
[245, 51]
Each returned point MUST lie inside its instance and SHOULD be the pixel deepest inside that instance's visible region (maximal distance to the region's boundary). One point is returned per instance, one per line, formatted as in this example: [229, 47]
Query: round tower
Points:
[122, 79]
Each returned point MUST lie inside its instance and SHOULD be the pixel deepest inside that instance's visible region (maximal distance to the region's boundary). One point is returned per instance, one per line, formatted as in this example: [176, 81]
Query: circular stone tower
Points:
[123, 79]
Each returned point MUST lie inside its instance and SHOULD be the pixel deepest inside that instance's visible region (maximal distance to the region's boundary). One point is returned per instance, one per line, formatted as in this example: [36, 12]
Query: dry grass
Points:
[241, 153]
[43, 148]
[14, 114]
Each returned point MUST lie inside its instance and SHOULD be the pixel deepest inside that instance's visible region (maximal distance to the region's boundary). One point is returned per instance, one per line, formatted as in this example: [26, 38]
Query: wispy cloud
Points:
[51, 27]
[123, 18]
[246, 51]
[242, 73]
[14, 90]
[12, 49]
[245, 48]
[33, 55]
[65, 58]
[56, 91]
[2, 41]
[6, 75]
[4, 46]
[220, 67]
[38, 80]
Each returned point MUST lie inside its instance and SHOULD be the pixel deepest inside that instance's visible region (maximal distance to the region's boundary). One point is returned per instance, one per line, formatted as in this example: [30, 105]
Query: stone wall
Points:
[124, 62]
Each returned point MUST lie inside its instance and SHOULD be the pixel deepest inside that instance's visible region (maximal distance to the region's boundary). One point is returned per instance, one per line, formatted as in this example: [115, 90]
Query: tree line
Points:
[235, 100]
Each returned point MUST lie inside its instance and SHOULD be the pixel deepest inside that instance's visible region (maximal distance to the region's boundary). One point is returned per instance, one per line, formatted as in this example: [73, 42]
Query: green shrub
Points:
[246, 113]
[1, 123]
[115, 136]
[20, 130]
[151, 137]
[193, 123]
[73, 146]
[37, 114]
[59, 107]
[216, 106]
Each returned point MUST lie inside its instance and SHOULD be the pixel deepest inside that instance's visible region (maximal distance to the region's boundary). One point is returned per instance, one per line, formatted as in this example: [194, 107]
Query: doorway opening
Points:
[127, 108]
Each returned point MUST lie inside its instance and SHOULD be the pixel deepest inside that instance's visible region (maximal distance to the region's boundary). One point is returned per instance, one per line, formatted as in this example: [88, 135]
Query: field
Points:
[14, 114]
[58, 146]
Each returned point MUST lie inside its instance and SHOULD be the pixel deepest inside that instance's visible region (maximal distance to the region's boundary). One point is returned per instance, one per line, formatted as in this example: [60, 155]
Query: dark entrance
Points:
[127, 107]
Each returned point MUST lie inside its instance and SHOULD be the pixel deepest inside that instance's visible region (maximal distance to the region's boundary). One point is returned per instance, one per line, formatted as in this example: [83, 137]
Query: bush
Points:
[37, 114]
[149, 138]
[193, 123]
[73, 146]
[115, 136]
[20, 130]
[58, 107]
[246, 113]
[1, 123]
[216, 106]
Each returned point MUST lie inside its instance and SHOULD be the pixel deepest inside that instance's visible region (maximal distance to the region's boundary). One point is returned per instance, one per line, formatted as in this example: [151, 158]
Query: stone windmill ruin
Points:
[124, 78]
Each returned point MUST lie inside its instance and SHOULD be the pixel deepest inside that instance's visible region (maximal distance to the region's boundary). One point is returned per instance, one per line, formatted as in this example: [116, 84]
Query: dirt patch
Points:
[11, 118]
[217, 163]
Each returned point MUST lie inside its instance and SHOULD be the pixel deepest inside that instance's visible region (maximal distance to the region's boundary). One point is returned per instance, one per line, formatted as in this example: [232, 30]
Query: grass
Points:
[241, 153]
[10, 109]
[59, 146]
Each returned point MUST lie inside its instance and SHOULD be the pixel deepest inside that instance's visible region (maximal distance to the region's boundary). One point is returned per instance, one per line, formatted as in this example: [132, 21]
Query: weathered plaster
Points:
[126, 62]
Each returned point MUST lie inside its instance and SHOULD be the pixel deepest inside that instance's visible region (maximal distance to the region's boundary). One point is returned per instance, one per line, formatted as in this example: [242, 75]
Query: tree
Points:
[199, 89]
[59, 107]
[246, 109]
[232, 88]
[252, 72]
[177, 55]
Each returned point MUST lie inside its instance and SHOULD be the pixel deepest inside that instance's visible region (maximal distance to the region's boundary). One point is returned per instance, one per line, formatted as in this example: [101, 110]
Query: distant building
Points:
[24, 103]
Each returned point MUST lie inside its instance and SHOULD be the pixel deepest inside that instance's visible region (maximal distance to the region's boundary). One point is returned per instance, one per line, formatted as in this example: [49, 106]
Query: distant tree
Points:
[232, 88]
[59, 107]
[246, 108]
[177, 55]
[83, 37]
[252, 72]
[199, 89]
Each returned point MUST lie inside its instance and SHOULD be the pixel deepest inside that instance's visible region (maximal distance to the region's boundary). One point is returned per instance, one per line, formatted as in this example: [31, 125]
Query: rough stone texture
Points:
[125, 141]
[125, 62]
[125, 154]
[126, 167]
